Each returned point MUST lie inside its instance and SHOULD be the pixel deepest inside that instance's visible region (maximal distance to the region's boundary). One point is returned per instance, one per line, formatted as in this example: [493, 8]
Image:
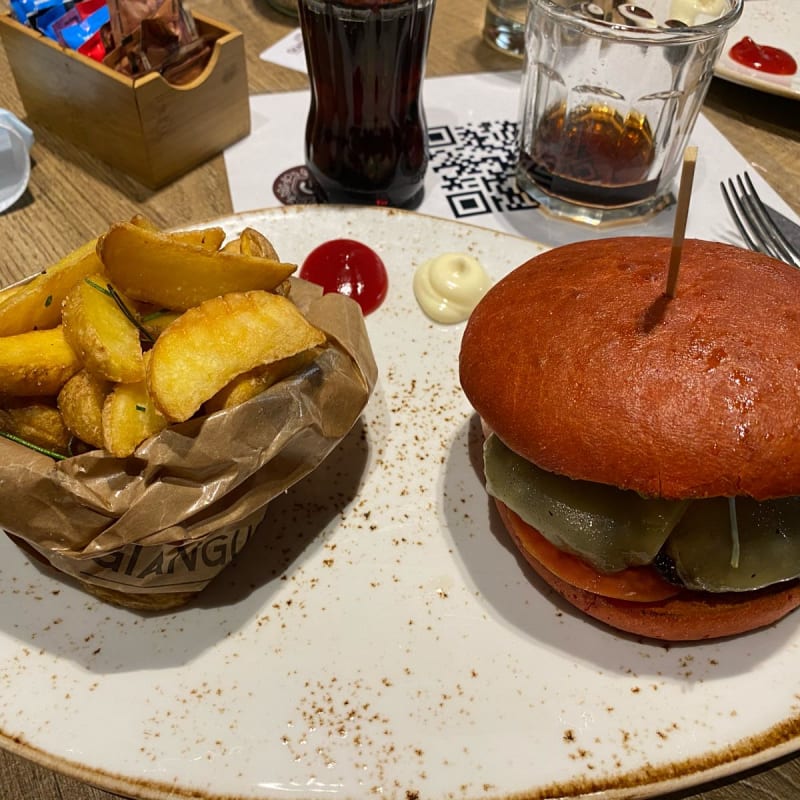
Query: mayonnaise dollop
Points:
[449, 286]
[688, 10]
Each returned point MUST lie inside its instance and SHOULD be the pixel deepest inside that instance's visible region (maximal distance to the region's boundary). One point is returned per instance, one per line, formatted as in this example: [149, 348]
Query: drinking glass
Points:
[610, 95]
[504, 25]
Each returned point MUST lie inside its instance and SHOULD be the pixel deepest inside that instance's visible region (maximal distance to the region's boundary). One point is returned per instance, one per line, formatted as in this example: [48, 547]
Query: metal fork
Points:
[754, 221]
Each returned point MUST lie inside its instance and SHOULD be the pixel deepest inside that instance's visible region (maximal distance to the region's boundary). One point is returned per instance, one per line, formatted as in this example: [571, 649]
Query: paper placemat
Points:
[472, 124]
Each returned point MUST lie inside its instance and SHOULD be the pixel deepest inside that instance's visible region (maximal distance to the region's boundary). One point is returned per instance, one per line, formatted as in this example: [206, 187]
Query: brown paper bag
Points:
[153, 530]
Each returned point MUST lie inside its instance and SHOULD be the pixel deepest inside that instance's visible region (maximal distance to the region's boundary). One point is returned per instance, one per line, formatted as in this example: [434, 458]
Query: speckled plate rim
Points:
[637, 790]
[757, 22]
[754, 748]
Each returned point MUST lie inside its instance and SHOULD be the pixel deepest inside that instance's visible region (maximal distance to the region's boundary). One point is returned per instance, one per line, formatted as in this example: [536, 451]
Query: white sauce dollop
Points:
[449, 286]
[688, 10]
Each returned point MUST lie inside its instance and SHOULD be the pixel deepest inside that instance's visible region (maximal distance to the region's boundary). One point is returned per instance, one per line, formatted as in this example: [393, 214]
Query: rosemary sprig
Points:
[32, 446]
[114, 295]
[97, 286]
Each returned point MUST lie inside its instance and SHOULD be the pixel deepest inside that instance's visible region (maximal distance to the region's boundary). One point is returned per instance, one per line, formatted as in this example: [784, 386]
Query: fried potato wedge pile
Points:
[142, 328]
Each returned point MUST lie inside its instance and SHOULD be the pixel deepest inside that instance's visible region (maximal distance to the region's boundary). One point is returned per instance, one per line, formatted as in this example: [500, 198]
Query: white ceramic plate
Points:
[767, 22]
[380, 636]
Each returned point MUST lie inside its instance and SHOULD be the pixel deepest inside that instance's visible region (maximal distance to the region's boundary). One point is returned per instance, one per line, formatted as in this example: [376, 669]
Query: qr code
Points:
[475, 164]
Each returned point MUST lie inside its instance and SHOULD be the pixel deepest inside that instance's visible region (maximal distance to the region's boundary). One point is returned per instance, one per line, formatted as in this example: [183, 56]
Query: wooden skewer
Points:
[681, 214]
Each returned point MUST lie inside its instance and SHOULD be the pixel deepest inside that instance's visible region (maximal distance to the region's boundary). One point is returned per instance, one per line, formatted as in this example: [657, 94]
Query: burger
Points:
[643, 450]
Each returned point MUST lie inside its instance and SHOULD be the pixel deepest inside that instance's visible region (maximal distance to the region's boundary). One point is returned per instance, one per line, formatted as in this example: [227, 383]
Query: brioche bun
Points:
[580, 364]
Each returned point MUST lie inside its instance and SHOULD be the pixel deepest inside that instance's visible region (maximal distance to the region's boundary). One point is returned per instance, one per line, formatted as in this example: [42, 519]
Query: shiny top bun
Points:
[581, 364]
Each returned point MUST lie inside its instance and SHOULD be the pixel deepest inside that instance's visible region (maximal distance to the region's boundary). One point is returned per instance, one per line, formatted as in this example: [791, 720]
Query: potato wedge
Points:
[141, 221]
[210, 239]
[129, 417]
[251, 242]
[249, 384]
[80, 402]
[36, 363]
[156, 268]
[36, 420]
[106, 341]
[254, 243]
[209, 345]
[37, 304]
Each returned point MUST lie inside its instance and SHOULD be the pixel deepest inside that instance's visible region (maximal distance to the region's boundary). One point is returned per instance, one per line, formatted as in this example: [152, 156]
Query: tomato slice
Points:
[636, 584]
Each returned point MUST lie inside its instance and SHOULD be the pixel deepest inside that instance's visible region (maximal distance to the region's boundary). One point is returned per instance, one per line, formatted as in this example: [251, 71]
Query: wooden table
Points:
[73, 197]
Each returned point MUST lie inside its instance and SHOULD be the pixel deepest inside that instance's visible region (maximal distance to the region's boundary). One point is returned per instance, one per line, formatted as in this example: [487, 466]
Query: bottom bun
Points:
[688, 616]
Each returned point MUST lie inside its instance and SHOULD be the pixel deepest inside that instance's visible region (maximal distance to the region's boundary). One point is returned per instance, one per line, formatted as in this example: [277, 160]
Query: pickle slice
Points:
[702, 545]
[609, 527]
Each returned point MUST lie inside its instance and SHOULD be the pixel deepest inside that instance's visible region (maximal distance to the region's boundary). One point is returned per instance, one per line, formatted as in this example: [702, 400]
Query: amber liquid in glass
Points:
[593, 156]
[366, 136]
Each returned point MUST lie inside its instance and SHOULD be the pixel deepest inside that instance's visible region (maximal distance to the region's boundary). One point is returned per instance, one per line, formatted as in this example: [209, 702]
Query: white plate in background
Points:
[766, 22]
[379, 636]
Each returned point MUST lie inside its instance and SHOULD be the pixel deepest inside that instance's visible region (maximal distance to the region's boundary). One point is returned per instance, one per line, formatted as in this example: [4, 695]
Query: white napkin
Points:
[472, 125]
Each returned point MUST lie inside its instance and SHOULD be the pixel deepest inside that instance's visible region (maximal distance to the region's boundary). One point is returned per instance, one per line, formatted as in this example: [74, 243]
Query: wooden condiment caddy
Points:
[145, 127]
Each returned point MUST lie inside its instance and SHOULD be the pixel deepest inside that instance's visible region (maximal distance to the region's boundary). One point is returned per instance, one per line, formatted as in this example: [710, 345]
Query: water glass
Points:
[504, 25]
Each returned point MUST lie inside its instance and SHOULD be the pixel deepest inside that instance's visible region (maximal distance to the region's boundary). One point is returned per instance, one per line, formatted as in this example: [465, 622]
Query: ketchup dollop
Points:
[350, 268]
[763, 57]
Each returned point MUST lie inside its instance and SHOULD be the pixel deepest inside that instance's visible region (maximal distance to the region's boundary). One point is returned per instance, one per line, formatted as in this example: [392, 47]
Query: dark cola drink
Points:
[366, 136]
[593, 155]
